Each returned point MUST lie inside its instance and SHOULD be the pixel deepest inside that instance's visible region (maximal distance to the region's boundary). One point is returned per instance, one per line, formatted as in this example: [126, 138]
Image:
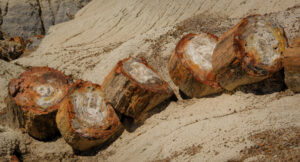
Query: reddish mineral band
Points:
[84, 119]
[250, 52]
[39, 89]
[133, 87]
[190, 66]
[38, 93]
[264, 45]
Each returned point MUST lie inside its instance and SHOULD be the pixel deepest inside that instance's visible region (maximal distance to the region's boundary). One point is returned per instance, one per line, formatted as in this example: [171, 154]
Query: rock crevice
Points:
[27, 18]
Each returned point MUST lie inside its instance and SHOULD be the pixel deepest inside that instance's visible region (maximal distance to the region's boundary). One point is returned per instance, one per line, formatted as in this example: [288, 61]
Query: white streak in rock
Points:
[90, 109]
[200, 49]
[142, 73]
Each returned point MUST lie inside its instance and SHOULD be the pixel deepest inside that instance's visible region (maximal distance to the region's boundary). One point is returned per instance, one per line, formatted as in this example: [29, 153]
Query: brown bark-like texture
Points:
[84, 119]
[13, 116]
[190, 65]
[291, 63]
[250, 52]
[134, 88]
[36, 95]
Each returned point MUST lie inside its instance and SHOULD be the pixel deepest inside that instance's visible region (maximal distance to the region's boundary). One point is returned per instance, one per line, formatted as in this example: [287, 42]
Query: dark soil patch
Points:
[274, 145]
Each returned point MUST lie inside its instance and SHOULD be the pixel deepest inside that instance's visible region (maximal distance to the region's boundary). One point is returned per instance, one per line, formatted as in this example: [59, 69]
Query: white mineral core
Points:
[263, 41]
[48, 95]
[200, 49]
[90, 110]
[142, 73]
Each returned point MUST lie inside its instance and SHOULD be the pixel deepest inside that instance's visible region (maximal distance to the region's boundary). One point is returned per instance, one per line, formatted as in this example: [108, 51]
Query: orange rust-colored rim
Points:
[239, 48]
[164, 87]
[93, 132]
[201, 75]
[18, 82]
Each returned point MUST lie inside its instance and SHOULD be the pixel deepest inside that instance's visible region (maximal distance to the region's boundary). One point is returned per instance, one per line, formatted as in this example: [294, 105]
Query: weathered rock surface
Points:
[291, 65]
[12, 48]
[37, 94]
[133, 88]
[190, 65]
[27, 18]
[250, 52]
[84, 119]
[8, 71]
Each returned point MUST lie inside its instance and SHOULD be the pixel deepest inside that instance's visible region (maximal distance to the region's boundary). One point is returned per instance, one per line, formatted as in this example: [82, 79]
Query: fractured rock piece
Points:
[190, 65]
[12, 48]
[291, 63]
[38, 93]
[84, 119]
[250, 52]
[133, 88]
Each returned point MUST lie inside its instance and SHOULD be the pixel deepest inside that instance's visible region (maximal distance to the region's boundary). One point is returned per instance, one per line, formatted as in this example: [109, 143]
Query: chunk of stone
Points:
[36, 95]
[291, 65]
[84, 119]
[190, 65]
[250, 52]
[133, 88]
[11, 49]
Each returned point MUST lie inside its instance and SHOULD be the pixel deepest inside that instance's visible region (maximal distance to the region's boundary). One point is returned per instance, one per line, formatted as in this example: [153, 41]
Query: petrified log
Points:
[133, 88]
[190, 65]
[38, 92]
[250, 52]
[291, 63]
[84, 119]
[12, 48]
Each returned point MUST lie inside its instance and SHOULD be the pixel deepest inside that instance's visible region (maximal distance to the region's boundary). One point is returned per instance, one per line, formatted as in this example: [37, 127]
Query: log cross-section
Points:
[133, 88]
[37, 93]
[291, 65]
[250, 52]
[84, 119]
[190, 65]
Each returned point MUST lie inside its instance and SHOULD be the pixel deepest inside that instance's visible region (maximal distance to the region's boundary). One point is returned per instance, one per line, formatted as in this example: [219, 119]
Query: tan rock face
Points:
[291, 65]
[133, 88]
[27, 18]
[190, 65]
[38, 92]
[84, 119]
[250, 52]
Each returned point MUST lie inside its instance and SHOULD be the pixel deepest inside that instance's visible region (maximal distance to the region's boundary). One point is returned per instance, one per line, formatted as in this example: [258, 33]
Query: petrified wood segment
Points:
[132, 88]
[291, 65]
[190, 65]
[84, 119]
[37, 93]
[250, 52]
